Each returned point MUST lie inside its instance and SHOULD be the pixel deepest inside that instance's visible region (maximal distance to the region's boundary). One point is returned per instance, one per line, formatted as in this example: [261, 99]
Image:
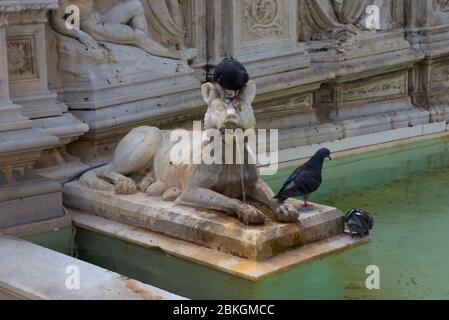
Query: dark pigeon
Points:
[231, 75]
[359, 222]
[305, 179]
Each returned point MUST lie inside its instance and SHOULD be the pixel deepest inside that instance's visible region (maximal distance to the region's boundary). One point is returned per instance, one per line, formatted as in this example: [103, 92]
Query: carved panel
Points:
[375, 89]
[440, 78]
[264, 19]
[281, 107]
[441, 5]
[20, 58]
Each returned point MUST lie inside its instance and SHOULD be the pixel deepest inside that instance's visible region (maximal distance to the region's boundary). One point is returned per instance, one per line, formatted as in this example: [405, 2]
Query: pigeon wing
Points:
[308, 181]
[289, 183]
[301, 183]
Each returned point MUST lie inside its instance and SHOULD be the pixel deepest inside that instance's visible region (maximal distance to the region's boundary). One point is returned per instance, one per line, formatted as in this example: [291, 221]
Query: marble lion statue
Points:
[141, 162]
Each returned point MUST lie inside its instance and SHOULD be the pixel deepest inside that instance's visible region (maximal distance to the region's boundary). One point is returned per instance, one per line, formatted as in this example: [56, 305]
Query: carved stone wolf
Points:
[142, 162]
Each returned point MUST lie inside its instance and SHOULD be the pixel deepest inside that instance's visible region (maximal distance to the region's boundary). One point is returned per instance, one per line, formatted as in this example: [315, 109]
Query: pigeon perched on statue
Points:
[359, 222]
[232, 76]
[306, 179]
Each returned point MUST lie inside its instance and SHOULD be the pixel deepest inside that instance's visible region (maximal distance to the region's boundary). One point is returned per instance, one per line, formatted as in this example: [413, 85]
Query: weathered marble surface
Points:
[143, 161]
[240, 267]
[27, 274]
[206, 227]
[26, 197]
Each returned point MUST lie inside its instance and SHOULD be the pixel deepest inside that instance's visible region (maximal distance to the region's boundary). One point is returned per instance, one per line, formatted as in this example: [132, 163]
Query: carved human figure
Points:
[123, 24]
[331, 19]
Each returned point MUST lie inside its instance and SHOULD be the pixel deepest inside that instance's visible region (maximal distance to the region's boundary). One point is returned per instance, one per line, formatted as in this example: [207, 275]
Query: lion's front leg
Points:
[123, 184]
[208, 199]
[198, 193]
[285, 212]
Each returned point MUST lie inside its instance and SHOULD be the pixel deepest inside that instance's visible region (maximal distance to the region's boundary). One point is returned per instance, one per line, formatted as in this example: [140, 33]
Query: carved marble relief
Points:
[263, 19]
[123, 23]
[440, 78]
[441, 5]
[288, 106]
[385, 87]
[329, 19]
[20, 58]
[341, 19]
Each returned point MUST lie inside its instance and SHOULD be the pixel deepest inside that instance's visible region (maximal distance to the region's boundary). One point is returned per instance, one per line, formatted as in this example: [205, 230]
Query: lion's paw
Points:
[249, 215]
[285, 212]
[145, 183]
[171, 194]
[125, 185]
[156, 189]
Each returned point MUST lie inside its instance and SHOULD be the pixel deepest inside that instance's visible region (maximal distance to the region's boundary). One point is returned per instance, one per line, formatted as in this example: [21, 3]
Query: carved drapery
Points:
[166, 23]
[320, 18]
[441, 5]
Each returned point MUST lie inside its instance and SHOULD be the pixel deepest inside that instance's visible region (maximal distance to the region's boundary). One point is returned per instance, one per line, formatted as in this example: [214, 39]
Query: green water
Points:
[407, 190]
[59, 240]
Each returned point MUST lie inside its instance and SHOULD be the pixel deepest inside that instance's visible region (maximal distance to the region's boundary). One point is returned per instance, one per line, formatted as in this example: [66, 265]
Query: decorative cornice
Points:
[10, 6]
[34, 10]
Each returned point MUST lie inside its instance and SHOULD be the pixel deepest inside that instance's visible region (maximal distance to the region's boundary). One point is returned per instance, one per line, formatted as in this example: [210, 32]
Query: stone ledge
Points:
[244, 268]
[209, 228]
[28, 274]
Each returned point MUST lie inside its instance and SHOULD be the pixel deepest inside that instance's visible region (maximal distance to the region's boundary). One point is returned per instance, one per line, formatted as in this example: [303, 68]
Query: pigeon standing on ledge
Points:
[305, 179]
[232, 76]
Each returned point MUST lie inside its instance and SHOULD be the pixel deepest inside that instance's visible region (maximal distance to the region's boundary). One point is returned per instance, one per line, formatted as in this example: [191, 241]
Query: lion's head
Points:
[223, 113]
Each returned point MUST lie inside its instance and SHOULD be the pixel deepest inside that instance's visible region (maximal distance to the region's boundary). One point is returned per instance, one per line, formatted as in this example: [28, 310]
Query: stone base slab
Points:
[30, 201]
[208, 228]
[36, 273]
[244, 268]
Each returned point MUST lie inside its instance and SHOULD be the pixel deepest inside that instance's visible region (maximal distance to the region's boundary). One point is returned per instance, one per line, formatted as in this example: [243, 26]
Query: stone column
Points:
[260, 34]
[26, 48]
[25, 59]
[25, 197]
[10, 116]
[427, 26]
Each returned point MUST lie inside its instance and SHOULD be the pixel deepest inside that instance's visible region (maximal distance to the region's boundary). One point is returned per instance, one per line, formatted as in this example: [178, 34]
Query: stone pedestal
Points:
[370, 89]
[25, 57]
[120, 86]
[26, 197]
[211, 229]
[10, 115]
[428, 30]
[26, 52]
[113, 98]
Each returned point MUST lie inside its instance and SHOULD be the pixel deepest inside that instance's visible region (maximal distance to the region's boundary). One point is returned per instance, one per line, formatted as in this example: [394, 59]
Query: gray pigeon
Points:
[305, 179]
[359, 222]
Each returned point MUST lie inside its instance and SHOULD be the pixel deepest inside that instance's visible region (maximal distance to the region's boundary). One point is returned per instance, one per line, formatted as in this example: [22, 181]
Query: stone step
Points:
[34, 272]
[208, 228]
[240, 267]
